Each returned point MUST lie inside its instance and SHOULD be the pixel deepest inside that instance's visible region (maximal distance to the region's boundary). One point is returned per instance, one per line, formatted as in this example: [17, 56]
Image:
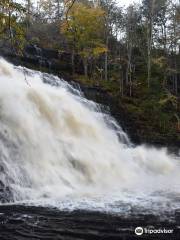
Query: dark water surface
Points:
[19, 222]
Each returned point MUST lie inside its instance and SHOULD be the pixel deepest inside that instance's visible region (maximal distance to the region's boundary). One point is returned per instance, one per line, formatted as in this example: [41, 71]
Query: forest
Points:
[132, 53]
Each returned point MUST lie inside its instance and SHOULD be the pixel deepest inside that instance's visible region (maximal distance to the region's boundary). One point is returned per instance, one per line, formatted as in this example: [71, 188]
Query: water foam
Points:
[56, 145]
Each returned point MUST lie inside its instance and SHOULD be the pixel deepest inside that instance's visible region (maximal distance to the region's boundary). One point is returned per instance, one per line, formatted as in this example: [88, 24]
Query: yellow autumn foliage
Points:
[84, 28]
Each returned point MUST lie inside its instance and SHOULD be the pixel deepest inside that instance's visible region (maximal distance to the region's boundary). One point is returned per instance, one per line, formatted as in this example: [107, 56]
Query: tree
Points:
[81, 30]
[151, 9]
[109, 7]
[11, 29]
[130, 39]
[174, 42]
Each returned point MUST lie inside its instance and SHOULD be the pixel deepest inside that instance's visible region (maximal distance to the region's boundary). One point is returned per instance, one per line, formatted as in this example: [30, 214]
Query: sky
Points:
[120, 2]
[127, 2]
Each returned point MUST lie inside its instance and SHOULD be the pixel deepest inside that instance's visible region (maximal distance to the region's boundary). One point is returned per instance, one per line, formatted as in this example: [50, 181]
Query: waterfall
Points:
[57, 145]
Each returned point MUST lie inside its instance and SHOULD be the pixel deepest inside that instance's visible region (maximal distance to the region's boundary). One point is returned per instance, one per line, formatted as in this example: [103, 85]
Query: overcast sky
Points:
[120, 2]
[127, 2]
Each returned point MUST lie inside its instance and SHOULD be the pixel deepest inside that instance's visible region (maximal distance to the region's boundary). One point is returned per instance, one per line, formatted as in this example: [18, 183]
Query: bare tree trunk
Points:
[122, 84]
[129, 55]
[175, 76]
[72, 62]
[10, 30]
[178, 121]
[28, 13]
[149, 46]
[127, 77]
[58, 9]
[175, 59]
[129, 68]
[149, 41]
[149, 65]
[106, 60]
[130, 81]
[85, 67]
[165, 52]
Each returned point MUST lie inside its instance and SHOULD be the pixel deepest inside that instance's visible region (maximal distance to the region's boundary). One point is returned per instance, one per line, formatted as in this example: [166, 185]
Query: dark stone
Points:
[115, 109]
[5, 193]
[52, 61]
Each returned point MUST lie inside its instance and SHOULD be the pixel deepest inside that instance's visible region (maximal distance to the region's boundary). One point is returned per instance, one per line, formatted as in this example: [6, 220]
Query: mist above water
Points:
[56, 145]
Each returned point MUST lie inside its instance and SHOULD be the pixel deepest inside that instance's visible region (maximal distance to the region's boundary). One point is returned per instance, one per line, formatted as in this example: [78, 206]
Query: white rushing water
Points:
[59, 149]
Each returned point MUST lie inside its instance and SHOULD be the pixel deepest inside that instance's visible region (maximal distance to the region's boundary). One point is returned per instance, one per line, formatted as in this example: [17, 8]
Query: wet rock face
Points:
[49, 60]
[5, 193]
[53, 60]
[111, 105]
[9, 153]
[3, 189]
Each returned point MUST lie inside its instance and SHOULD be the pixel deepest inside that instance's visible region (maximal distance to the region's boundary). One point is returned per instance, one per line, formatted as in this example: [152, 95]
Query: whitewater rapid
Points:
[60, 149]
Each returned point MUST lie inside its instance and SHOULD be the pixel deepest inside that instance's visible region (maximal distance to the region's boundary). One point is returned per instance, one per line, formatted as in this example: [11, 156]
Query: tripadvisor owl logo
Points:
[139, 231]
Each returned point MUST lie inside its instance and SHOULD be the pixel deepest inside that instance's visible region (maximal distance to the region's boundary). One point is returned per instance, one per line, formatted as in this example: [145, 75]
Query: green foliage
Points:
[169, 100]
[84, 29]
[12, 29]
